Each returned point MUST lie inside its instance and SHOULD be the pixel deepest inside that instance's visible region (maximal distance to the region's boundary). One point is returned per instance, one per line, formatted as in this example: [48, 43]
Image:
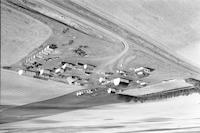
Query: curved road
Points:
[65, 18]
[68, 102]
[126, 48]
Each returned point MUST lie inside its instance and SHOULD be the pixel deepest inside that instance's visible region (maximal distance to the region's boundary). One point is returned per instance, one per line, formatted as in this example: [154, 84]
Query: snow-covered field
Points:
[180, 114]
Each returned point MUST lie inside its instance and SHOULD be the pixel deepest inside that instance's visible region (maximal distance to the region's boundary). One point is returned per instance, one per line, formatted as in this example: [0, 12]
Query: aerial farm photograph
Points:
[100, 66]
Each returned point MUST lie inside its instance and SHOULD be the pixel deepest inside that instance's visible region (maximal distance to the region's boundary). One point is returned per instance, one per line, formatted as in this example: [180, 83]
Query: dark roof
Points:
[151, 69]
[53, 46]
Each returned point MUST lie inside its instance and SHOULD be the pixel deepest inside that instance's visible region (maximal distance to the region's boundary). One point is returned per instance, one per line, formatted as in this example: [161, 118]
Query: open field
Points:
[18, 35]
[173, 24]
[25, 90]
[179, 115]
[62, 57]
[68, 39]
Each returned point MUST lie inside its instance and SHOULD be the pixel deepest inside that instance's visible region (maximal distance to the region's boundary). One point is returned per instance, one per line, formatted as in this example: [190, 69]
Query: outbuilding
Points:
[143, 71]
[121, 82]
